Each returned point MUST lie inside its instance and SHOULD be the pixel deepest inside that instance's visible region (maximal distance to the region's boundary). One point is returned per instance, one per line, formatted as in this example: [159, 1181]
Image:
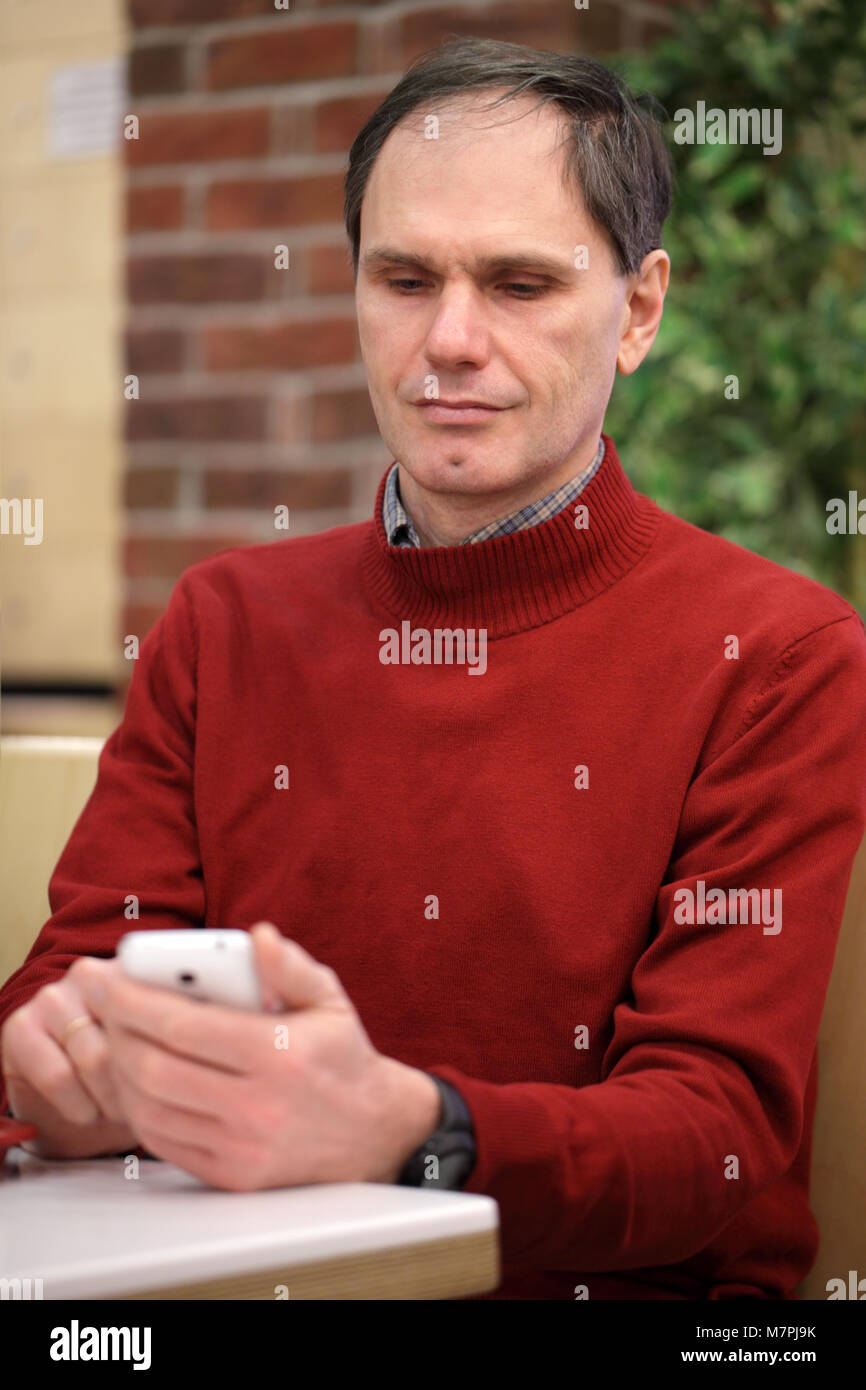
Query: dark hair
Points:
[616, 152]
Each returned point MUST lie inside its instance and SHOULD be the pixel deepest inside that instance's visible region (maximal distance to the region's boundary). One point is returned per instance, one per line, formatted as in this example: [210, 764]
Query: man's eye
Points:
[523, 291]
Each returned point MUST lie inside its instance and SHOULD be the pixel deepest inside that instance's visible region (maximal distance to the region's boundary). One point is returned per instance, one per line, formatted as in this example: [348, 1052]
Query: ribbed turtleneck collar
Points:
[519, 581]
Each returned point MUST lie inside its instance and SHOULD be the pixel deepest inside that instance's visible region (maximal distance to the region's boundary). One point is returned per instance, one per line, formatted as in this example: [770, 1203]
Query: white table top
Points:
[87, 1231]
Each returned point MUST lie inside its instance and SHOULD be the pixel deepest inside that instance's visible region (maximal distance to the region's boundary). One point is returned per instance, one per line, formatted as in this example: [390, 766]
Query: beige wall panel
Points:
[49, 23]
[76, 476]
[25, 79]
[47, 242]
[59, 612]
[44, 785]
[61, 598]
[60, 364]
[61, 320]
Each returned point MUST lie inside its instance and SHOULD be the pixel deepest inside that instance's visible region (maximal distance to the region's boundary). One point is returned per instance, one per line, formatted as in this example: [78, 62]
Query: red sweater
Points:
[642, 1086]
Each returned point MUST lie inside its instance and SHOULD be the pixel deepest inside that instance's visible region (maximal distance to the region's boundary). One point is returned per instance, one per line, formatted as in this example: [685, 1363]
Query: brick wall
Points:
[252, 389]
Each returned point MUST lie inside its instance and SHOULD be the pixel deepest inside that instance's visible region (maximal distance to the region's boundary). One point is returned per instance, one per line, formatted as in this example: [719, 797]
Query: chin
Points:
[449, 468]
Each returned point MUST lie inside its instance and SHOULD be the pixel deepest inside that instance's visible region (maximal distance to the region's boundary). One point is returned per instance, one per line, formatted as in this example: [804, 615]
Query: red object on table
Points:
[13, 1131]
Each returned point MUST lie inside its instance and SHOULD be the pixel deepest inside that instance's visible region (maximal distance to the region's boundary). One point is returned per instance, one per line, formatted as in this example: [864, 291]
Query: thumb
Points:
[289, 975]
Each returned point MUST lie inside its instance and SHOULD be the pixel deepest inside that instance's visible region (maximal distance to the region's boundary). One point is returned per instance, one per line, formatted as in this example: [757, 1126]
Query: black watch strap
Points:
[446, 1159]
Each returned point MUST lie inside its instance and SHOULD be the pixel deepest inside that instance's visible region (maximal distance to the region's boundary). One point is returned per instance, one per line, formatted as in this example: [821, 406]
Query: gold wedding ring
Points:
[74, 1026]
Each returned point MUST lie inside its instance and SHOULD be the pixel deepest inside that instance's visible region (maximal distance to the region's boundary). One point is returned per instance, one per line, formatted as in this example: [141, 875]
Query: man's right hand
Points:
[61, 1081]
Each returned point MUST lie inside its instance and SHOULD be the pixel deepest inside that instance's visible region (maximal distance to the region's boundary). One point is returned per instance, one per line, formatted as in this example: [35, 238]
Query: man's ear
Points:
[642, 311]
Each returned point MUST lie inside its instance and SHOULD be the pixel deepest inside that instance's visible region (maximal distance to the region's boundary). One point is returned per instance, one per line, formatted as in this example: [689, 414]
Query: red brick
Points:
[292, 129]
[154, 208]
[281, 346]
[342, 415]
[283, 283]
[233, 204]
[161, 556]
[194, 136]
[196, 279]
[154, 350]
[330, 270]
[150, 487]
[151, 12]
[226, 487]
[290, 418]
[209, 418]
[156, 68]
[511, 20]
[543, 24]
[290, 54]
[338, 121]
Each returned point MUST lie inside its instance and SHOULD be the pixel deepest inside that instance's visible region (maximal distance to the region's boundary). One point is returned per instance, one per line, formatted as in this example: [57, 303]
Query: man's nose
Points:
[459, 331]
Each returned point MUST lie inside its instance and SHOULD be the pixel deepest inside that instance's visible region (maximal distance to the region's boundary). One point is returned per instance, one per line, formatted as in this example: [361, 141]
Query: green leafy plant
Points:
[768, 283]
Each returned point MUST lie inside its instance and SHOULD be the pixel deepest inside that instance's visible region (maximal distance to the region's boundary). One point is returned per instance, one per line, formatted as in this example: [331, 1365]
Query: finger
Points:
[61, 1004]
[267, 944]
[202, 1163]
[90, 977]
[38, 1060]
[92, 980]
[151, 1118]
[226, 1038]
[89, 1052]
[289, 971]
[166, 1078]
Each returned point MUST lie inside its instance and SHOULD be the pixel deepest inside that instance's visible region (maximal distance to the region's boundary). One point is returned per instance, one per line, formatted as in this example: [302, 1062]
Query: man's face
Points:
[538, 341]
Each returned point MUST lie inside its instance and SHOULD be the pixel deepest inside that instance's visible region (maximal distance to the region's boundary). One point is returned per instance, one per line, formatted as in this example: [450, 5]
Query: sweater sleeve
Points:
[706, 1072]
[134, 848]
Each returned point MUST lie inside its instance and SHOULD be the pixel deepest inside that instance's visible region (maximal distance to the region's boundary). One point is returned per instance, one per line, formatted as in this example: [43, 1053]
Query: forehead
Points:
[457, 160]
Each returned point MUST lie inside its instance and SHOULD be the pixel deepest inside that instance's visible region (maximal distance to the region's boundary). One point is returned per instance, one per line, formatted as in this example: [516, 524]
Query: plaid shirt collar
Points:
[401, 532]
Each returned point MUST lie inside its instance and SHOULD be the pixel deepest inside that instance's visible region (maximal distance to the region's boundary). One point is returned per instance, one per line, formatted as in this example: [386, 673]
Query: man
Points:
[551, 797]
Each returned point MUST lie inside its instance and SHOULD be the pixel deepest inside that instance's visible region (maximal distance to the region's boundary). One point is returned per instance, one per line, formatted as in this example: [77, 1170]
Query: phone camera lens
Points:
[186, 978]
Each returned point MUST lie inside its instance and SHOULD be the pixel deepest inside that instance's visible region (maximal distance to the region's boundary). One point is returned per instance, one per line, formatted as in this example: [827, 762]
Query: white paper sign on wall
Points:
[85, 108]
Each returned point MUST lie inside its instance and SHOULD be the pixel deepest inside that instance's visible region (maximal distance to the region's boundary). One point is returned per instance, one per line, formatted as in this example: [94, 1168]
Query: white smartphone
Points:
[216, 965]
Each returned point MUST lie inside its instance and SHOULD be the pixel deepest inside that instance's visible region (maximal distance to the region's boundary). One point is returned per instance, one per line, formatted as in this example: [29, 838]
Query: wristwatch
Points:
[451, 1145]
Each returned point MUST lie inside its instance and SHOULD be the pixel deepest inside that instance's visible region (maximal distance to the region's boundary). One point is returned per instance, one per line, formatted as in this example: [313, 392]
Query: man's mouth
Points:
[445, 412]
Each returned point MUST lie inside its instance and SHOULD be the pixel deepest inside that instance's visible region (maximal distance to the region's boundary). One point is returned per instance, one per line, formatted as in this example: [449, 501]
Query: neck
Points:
[448, 518]
[518, 581]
